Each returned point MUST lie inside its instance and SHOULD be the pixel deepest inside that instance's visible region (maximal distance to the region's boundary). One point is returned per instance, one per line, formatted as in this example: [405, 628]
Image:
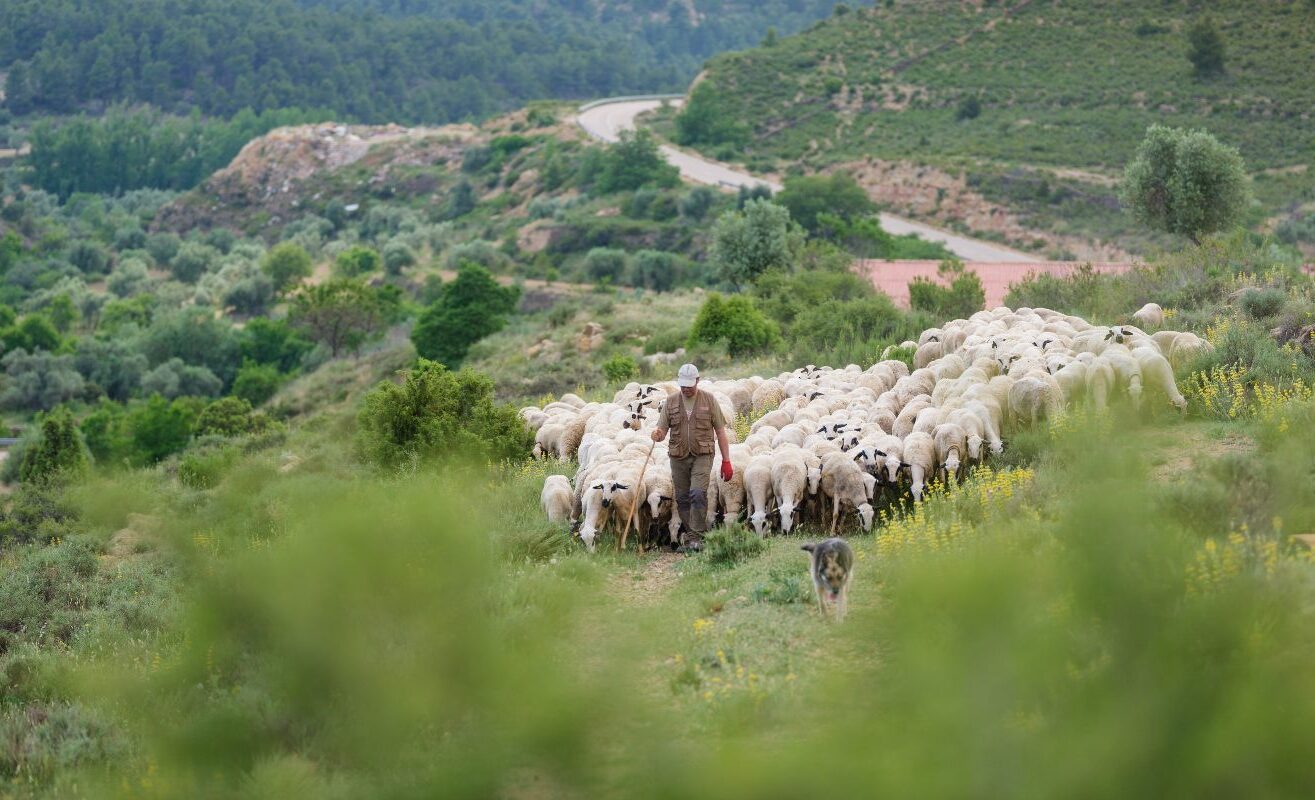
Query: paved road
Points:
[608, 120]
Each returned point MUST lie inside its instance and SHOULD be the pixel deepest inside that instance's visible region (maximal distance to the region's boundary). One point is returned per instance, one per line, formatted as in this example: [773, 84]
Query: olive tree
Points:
[1185, 182]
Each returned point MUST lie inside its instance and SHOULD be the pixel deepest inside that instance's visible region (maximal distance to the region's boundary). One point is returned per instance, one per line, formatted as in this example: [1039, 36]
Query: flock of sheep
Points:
[826, 440]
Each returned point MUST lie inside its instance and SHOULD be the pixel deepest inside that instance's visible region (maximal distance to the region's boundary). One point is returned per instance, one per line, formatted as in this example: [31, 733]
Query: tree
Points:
[11, 248]
[438, 416]
[634, 161]
[735, 321]
[1205, 48]
[605, 264]
[194, 336]
[356, 261]
[838, 195]
[273, 342]
[746, 244]
[59, 453]
[113, 365]
[656, 270]
[173, 379]
[39, 380]
[340, 314]
[286, 264]
[471, 307]
[397, 257]
[1185, 182]
[160, 428]
[704, 120]
[192, 261]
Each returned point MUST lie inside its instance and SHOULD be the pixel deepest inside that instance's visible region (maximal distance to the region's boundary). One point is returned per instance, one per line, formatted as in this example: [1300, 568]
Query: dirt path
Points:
[650, 583]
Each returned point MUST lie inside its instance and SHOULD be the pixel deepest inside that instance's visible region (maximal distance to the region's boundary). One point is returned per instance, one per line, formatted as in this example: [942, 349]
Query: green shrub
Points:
[356, 261]
[204, 467]
[286, 264]
[732, 544]
[397, 257]
[192, 261]
[969, 108]
[605, 264]
[783, 587]
[734, 321]
[960, 300]
[256, 383]
[620, 368]
[230, 416]
[1260, 304]
[160, 428]
[838, 196]
[438, 416]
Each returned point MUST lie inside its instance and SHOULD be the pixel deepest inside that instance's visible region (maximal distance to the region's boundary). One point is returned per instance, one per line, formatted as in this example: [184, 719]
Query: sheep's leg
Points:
[835, 513]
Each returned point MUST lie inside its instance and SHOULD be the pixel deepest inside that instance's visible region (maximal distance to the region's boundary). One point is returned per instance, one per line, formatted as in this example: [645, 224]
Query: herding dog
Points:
[832, 567]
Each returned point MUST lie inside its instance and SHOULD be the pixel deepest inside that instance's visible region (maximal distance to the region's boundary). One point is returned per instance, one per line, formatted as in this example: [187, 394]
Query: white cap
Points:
[688, 375]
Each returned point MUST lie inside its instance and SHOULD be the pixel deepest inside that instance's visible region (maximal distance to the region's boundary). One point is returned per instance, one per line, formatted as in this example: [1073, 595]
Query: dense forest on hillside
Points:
[1037, 106]
[368, 60]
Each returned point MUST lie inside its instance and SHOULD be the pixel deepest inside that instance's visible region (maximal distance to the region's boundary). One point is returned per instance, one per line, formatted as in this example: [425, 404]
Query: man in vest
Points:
[694, 420]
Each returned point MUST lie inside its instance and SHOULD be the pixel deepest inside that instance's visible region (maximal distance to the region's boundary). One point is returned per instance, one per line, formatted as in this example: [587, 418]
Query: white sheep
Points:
[1156, 373]
[920, 460]
[758, 492]
[1149, 316]
[846, 483]
[556, 499]
[951, 447]
[790, 483]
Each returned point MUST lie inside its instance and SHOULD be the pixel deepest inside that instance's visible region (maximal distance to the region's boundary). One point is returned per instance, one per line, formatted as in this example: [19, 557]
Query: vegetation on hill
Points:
[368, 61]
[275, 613]
[1034, 106]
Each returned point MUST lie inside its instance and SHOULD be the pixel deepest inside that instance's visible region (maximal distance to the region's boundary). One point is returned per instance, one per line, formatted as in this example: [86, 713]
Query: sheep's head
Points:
[610, 491]
[869, 484]
[587, 535]
[952, 463]
[865, 514]
[758, 521]
[1135, 391]
[787, 516]
[974, 446]
[538, 451]
[655, 504]
[1179, 403]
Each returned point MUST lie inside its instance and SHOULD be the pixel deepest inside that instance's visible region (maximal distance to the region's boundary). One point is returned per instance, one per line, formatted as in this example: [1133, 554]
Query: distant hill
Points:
[1032, 106]
[406, 61]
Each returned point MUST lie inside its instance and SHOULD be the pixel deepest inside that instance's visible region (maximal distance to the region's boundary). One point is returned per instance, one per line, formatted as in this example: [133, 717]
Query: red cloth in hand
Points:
[726, 470]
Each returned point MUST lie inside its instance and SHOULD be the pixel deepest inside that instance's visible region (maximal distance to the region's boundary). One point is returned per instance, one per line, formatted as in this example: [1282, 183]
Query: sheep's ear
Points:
[1109, 336]
[619, 487]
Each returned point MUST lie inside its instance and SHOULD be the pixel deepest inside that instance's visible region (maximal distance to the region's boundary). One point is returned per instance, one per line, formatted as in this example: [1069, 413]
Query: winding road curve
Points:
[606, 119]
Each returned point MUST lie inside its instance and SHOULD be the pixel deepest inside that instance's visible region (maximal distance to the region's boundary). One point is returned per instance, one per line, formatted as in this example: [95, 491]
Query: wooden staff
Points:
[635, 503]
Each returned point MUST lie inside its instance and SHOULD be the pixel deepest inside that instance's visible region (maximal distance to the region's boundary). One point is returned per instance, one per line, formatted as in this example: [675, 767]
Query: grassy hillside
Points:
[1065, 92]
[271, 616]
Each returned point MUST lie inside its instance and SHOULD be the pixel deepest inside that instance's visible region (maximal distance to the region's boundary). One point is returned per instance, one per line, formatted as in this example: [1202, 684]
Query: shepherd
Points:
[694, 420]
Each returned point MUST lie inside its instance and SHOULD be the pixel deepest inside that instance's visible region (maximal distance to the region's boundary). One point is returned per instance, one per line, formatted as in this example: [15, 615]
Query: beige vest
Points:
[693, 435]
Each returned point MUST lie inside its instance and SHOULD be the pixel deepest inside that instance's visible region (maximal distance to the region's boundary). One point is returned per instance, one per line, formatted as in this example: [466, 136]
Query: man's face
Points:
[689, 391]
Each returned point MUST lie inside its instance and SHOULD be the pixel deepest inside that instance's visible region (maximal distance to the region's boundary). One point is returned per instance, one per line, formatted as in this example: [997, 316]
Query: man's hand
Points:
[659, 434]
[727, 472]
